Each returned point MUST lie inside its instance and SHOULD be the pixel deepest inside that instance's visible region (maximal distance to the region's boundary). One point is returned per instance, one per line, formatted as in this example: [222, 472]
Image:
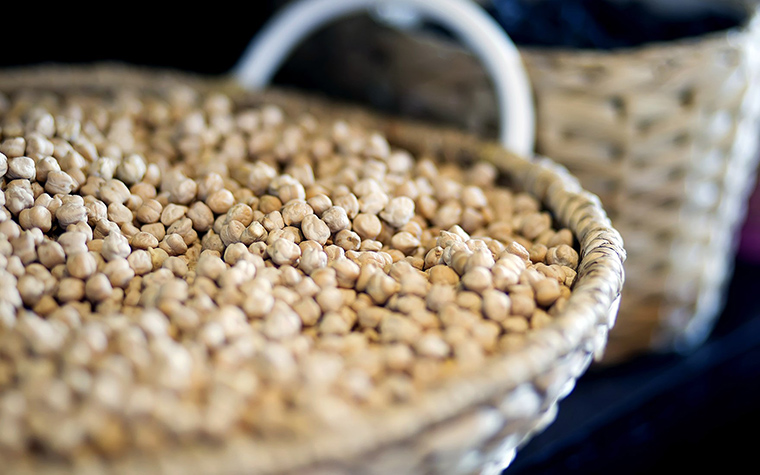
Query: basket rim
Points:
[595, 292]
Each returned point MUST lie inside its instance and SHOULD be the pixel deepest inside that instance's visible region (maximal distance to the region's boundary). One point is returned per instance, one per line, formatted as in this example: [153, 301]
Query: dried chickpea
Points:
[180, 267]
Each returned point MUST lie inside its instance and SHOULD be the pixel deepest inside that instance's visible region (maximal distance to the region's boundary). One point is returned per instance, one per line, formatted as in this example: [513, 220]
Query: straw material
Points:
[469, 424]
[665, 134]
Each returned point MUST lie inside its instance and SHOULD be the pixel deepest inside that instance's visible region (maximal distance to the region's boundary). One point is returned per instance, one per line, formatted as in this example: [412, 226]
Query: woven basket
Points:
[466, 424]
[666, 135]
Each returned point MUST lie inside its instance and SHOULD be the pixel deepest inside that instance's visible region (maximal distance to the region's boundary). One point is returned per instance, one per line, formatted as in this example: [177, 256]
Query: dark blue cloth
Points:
[600, 24]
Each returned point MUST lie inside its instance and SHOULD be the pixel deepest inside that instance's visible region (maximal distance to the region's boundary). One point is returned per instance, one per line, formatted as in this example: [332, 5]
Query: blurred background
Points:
[652, 411]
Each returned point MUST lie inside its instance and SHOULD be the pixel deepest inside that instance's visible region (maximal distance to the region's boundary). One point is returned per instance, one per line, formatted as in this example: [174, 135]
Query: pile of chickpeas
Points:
[177, 268]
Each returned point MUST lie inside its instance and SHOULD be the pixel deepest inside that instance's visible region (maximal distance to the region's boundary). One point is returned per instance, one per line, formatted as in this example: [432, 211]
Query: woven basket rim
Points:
[659, 48]
[595, 292]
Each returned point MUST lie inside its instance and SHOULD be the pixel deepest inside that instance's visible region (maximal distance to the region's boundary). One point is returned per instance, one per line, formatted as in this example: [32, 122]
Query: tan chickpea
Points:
[70, 290]
[18, 197]
[143, 240]
[114, 191]
[405, 242]
[36, 217]
[13, 147]
[173, 244]
[295, 211]
[51, 254]
[220, 201]
[320, 203]
[347, 240]
[336, 219]
[283, 251]
[562, 255]
[98, 288]
[21, 167]
[140, 262]
[118, 213]
[81, 265]
[171, 213]
[201, 216]
[59, 182]
[132, 169]
[315, 229]
[115, 246]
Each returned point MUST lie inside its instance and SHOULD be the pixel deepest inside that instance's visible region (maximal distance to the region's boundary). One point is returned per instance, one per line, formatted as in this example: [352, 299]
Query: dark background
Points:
[683, 412]
[207, 41]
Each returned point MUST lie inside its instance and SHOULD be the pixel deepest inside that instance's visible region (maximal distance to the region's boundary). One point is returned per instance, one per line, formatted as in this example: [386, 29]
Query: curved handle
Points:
[469, 22]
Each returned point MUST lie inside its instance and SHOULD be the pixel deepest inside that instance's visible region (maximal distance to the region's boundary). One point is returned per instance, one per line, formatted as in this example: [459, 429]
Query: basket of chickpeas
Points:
[198, 279]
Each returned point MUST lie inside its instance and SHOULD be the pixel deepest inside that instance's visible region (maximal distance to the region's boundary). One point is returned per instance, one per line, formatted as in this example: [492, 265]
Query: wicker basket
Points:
[665, 134]
[466, 425]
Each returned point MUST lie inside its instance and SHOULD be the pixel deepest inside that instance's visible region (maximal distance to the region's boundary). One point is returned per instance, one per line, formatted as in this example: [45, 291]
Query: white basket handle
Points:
[464, 18]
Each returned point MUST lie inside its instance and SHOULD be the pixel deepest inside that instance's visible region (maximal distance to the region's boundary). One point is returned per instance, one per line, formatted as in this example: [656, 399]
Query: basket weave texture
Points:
[666, 135]
[471, 424]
